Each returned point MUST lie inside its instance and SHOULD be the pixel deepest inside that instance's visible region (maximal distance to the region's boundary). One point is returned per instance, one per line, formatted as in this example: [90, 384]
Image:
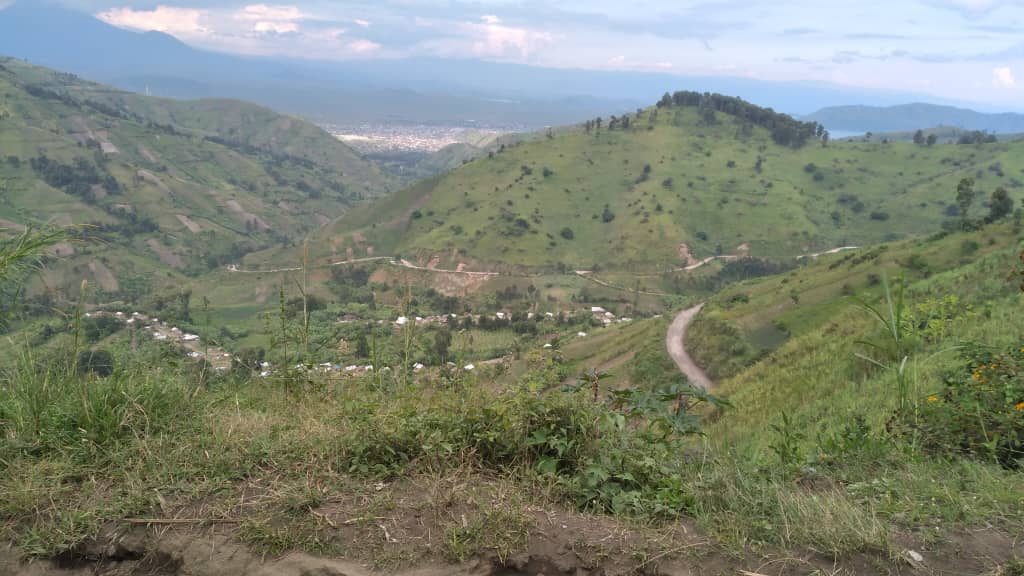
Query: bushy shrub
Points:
[586, 449]
[980, 410]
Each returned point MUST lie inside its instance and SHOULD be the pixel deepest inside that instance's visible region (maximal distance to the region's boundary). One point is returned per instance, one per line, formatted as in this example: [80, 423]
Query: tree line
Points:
[785, 130]
[77, 178]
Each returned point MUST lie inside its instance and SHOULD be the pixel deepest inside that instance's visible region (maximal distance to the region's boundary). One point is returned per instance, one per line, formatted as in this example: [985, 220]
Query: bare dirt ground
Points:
[147, 154]
[154, 180]
[104, 277]
[676, 349]
[246, 216]
[167, 256]
[402, 530]
[189, 223]
[588, 275]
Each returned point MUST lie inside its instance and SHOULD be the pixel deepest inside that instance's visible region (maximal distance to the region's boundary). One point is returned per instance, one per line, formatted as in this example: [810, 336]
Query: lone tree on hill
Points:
[919, 138]
[964, 198]
[1000, 206]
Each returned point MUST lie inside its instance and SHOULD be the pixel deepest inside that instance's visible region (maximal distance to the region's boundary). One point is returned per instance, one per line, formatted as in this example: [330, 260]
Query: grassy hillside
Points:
[231, 122]
[748, 319]
[166, 187]
[930, 449]
[820, 462]
[632, 197]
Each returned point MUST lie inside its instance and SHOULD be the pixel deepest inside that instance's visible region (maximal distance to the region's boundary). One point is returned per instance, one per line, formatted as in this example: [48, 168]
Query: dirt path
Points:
[674, 341]
[588, 275]
[411, 266]
[234, 267]
[400, 263]
[832, 251]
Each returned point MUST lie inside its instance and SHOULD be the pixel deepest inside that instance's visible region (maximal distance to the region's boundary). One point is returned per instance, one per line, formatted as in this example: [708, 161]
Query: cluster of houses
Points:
[161, 332]
[605, 317]
[352, 370]
[598, 313]
[221, 360]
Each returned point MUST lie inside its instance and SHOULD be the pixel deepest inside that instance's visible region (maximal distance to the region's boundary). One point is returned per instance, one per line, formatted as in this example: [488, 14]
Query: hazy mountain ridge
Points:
[911, 117]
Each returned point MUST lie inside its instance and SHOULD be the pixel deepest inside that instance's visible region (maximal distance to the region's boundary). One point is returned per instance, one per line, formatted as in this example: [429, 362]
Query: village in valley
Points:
[556, 328]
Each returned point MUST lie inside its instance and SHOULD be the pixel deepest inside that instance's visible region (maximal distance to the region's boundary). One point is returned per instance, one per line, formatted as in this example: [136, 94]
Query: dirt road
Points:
[677, 350]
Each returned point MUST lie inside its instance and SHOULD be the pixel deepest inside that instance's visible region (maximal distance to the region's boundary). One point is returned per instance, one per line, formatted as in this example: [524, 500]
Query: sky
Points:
[967, 50]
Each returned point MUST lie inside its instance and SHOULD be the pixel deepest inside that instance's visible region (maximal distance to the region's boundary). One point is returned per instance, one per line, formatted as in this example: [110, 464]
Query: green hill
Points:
[167, 188]
[632, 197]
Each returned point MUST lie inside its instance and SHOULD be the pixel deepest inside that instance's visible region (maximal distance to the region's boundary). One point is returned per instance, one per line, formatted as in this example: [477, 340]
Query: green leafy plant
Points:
[980, 411]
[667, 409]
[787, 444]
[891, 351]
[20, 257]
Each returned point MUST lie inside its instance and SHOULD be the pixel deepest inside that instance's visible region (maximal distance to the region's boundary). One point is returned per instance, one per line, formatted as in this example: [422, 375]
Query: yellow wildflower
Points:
[1019, 407]
[934, 399]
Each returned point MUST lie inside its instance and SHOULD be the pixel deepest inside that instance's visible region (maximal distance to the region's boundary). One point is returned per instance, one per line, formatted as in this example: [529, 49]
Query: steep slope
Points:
[910, 117]
[167, 186]
[676, 186]
[744, 321]
[232, 123]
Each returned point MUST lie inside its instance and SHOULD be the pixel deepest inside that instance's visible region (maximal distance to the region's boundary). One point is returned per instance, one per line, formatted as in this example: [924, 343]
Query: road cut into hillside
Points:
[674, 341]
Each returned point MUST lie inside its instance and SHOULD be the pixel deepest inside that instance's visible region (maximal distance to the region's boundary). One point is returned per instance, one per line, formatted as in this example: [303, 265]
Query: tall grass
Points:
[19, 258]
[892, 350]
[47, 409]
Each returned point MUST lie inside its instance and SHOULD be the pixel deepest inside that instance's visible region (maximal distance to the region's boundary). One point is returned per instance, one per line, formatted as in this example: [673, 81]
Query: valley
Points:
[413, 138]
[700, 337]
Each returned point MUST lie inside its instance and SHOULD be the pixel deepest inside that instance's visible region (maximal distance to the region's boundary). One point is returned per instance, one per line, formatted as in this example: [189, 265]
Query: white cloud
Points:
[271, 19]
[275, 27]
[262, 12]
[362, 46]
[363, 23]
[1003, 78]
[622, 63]
[499, 40]
[487, 38]
[490, 19]
[169, 19]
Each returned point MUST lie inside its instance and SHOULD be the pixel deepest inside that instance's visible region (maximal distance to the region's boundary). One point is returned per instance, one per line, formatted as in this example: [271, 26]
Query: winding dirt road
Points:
[677, 349]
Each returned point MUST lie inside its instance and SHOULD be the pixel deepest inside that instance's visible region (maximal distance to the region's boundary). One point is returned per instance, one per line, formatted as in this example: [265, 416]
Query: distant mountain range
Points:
[911, 117]
[410, 91]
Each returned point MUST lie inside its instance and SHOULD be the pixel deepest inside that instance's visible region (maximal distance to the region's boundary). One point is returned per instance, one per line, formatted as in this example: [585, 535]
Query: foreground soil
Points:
[405, 542]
